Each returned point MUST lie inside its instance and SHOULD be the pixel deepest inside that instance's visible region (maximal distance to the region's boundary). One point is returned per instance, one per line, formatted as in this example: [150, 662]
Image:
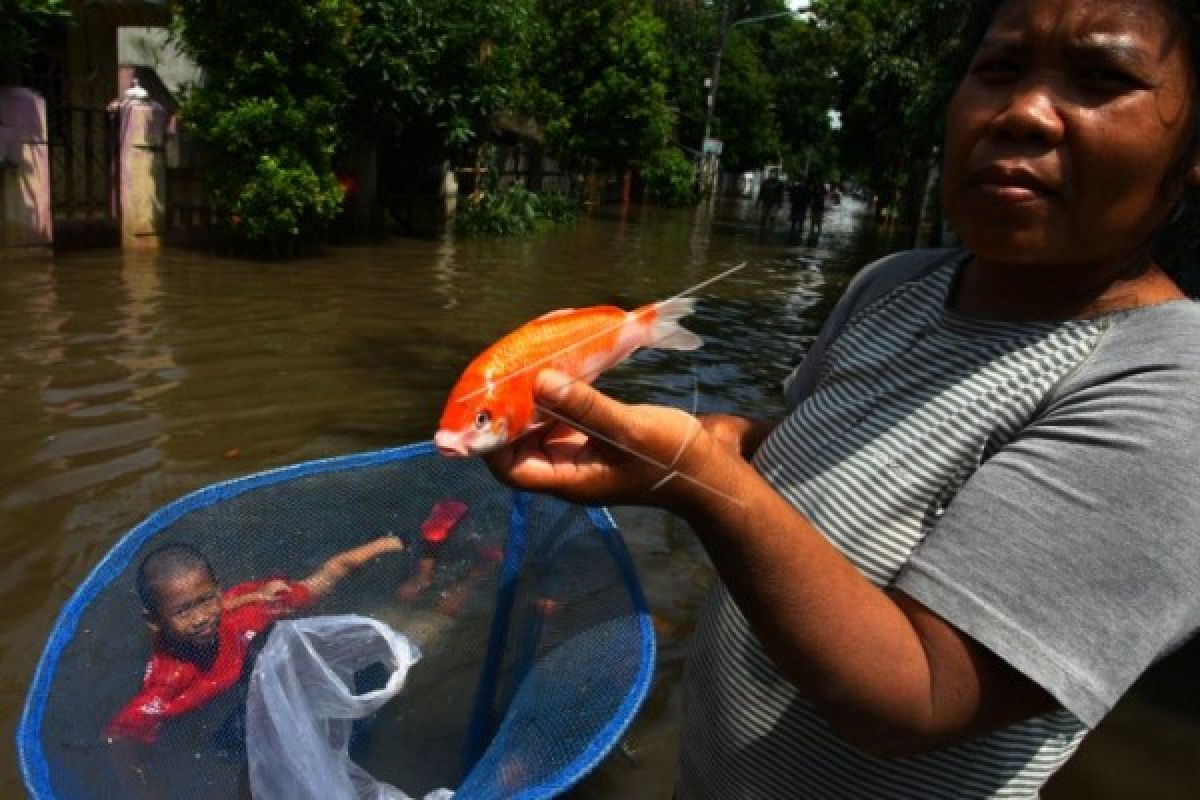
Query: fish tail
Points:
[667, 333]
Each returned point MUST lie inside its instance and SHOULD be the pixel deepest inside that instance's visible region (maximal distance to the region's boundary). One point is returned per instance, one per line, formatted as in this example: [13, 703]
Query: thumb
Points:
[575, 401]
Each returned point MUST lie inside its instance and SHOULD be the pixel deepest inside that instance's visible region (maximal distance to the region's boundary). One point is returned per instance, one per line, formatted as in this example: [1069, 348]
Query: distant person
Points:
[799, 196]
[770, 197]
[816, 208]
[202, 635]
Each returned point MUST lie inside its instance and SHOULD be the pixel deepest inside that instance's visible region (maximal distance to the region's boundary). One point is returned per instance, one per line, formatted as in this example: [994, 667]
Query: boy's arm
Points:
[268, 593]
[332, 571]
[141, 716]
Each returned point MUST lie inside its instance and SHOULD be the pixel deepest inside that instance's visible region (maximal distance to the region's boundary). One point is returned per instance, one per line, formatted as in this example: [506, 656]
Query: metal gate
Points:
[82, 157]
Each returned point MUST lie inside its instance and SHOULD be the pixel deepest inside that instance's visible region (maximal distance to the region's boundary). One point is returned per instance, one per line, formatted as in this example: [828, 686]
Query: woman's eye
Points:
[482, 420]
[995, 68]
[1109, 78]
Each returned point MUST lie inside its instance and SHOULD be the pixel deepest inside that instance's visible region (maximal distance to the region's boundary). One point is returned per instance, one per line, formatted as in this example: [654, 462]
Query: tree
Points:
[25, 22]
[746, 111]
[800, 59]
[898, 63]
[430, 74]
[267, 114]
[598, 81]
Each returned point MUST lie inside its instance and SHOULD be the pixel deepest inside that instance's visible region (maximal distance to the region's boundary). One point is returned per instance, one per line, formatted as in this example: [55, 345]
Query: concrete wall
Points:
[26, 218]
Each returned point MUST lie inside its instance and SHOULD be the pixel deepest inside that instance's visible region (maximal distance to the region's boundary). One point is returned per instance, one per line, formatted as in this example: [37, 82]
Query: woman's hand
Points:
[740, 435]
[597, 450]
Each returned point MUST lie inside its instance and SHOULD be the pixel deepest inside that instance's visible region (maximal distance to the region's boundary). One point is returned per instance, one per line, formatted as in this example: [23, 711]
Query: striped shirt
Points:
[897, 407]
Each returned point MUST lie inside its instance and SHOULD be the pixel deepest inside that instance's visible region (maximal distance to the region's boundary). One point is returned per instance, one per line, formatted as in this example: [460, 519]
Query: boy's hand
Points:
[267, 593]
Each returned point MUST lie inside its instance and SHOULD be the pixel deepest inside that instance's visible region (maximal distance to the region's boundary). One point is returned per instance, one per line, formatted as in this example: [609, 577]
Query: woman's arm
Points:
[742, 435]
[889, 674]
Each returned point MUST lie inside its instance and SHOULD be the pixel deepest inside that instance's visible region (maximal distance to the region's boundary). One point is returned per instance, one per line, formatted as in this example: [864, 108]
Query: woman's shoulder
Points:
[1148, 350]
[1167, 333]
[886, 274]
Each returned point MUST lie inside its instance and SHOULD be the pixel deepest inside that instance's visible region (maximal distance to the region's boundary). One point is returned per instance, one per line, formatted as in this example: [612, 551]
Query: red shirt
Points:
[174, 685]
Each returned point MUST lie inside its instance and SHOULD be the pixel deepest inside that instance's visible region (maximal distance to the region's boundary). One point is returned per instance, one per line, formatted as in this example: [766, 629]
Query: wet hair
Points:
[1175, 245]
[165, 563]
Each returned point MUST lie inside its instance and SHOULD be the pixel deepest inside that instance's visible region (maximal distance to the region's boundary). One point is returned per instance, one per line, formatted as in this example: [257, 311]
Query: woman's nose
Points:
[1033, 112]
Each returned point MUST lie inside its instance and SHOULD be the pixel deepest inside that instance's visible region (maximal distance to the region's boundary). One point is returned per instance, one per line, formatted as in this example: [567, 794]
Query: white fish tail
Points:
[668, 334]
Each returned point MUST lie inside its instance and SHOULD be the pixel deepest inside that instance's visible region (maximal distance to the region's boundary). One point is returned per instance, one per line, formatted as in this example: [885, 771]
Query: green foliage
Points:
[898, 63]
[510, 211]
[279, 198]
[801, 62]
[598, 81]
[445, 66]
[558, 207]
[267, 114]
[24, 23]
[670, 178]
[746, 117]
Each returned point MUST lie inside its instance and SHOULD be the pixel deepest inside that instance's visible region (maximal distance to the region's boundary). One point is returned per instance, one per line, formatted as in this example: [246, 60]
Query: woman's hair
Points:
[1175, 246]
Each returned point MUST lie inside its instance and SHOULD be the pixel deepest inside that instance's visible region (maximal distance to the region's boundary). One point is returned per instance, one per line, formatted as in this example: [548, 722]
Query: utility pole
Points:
[708, 162]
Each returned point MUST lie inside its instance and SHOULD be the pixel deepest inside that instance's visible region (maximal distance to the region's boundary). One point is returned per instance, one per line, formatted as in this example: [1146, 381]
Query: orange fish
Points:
[492, 403]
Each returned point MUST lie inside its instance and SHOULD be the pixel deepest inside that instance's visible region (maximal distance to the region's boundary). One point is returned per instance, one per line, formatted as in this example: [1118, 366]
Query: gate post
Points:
[141, 171]
[26, 218]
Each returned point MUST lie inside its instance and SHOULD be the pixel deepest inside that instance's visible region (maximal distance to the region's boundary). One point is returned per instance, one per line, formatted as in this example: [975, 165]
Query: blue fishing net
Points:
[536, 646]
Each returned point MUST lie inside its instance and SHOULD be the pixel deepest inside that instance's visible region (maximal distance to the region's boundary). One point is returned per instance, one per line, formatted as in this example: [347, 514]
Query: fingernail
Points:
[553, 384]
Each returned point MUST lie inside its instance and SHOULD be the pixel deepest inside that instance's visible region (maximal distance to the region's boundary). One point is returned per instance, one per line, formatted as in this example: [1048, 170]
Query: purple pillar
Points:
[141, 172]
[26, 217]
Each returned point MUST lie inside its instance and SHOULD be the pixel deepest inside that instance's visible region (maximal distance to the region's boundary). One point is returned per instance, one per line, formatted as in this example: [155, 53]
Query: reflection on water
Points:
[127, 381]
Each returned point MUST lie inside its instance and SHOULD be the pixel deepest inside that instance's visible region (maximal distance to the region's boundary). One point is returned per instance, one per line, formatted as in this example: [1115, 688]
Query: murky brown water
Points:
[127, 381]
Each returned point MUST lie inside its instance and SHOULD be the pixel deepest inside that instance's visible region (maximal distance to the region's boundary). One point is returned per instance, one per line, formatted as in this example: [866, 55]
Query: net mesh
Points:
[536, 645]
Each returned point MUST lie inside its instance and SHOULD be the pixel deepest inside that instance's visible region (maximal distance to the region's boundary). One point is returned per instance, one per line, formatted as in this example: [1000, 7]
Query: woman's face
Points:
[1062, 134]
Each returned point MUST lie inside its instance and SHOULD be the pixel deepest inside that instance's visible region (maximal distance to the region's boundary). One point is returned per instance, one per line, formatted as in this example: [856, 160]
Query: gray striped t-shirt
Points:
[1035, 484]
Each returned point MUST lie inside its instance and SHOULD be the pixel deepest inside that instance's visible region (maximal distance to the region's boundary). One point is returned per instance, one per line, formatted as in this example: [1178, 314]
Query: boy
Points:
[203, 636]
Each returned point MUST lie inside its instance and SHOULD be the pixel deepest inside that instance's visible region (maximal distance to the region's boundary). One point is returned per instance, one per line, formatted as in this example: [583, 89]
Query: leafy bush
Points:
[279, 199]
[267, 114]
[558, 207]
[510, 211]
[670, 178]
[24, 23]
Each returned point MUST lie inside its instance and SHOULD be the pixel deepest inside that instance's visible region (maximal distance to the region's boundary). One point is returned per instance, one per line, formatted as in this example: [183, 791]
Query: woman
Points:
[978, 523]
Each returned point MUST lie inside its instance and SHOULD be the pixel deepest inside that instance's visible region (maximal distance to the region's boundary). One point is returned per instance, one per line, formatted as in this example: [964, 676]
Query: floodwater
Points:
[127, 381]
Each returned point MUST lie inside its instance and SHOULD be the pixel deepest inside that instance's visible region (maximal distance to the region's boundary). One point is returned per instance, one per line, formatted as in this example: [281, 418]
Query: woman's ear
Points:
[1193, 176]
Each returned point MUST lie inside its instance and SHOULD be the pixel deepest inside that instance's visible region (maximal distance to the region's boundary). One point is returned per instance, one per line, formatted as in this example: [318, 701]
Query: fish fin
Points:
[668, 334]
[557, 313]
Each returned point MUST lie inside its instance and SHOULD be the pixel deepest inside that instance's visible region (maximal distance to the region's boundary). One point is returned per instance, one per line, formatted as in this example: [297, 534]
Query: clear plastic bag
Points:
[301, 707]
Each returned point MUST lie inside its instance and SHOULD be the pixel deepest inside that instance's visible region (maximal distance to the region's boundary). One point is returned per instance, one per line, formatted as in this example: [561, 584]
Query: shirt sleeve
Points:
[1074, 552]
[297, 597]
[141, 717]
[872, 282]
[255, 617]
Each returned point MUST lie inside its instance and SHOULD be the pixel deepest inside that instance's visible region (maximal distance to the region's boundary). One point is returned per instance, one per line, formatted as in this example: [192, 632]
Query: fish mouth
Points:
[449, 443]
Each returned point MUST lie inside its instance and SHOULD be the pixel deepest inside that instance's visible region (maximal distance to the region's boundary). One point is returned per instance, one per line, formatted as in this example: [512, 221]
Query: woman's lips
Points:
[1011, 184]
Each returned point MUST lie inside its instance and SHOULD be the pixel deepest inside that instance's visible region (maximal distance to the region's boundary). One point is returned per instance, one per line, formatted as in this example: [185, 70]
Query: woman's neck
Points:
[1026, 293]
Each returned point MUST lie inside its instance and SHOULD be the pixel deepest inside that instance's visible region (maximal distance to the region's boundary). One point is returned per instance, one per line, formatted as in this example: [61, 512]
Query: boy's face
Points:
[188, 610]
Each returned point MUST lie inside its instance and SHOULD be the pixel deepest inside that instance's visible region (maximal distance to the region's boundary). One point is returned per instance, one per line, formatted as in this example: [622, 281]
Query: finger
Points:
[575, 401]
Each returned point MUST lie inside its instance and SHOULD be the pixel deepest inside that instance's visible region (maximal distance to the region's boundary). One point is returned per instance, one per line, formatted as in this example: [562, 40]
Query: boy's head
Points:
[181, 599]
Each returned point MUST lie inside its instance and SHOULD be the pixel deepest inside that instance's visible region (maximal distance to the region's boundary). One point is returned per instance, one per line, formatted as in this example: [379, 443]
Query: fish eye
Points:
[482, 420]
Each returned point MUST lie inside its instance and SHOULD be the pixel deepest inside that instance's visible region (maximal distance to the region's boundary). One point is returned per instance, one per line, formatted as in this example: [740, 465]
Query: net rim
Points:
[35, 769]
